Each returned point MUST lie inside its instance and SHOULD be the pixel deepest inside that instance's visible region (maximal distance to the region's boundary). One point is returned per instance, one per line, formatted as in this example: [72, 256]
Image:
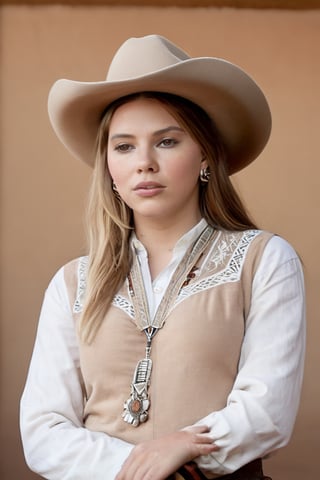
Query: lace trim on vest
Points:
[235, 247]
[82, 282]
[118, 301]
[123, 303]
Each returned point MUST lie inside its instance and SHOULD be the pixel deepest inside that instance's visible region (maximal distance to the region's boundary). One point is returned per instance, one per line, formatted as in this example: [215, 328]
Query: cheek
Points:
[119, 175]
[186, 167]
[114, 167]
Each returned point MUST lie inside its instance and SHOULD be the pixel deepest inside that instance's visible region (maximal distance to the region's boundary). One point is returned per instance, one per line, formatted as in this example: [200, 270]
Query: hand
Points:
[157, 459]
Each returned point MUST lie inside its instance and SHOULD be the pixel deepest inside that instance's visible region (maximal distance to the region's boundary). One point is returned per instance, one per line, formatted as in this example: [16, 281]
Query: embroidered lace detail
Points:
[123, 303]
[118, 301]
[219, 253]
[223, 263]
[222, 269]
[82, 283]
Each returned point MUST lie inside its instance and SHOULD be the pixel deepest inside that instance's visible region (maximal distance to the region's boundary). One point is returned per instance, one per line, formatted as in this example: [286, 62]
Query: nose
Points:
[146, 160]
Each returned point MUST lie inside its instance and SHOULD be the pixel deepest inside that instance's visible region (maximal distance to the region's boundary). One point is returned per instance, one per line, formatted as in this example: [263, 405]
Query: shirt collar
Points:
[182, 244]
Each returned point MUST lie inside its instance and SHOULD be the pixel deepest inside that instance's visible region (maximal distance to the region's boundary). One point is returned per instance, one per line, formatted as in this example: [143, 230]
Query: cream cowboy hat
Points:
[152, 63]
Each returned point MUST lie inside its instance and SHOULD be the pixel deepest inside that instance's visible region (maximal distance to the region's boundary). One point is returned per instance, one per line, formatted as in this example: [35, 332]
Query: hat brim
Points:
[231, 98]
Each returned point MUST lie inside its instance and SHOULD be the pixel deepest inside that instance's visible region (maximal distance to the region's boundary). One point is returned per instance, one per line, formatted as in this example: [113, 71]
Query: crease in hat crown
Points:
[155, 53]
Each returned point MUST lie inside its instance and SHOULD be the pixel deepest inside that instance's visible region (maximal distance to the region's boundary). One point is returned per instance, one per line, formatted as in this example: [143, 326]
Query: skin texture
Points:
[155, 165]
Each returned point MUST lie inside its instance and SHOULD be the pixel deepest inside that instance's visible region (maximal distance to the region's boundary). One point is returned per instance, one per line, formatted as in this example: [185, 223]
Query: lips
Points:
[148, 186]
[148, 189]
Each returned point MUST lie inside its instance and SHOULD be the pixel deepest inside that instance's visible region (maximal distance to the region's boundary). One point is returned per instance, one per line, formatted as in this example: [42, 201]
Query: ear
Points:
[204, 163]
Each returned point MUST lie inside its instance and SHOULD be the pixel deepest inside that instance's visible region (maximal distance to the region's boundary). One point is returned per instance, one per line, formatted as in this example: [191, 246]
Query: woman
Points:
[175, 348]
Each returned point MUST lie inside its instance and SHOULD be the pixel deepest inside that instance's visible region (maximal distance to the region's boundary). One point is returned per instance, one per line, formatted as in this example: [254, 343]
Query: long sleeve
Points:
[56, 444]
[262, 406]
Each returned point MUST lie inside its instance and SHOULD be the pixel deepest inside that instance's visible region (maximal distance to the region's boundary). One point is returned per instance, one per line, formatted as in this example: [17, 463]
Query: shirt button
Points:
[157, 290]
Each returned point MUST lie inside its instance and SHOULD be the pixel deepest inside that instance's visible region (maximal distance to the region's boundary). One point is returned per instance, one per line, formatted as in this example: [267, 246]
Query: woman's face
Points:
[154, 162]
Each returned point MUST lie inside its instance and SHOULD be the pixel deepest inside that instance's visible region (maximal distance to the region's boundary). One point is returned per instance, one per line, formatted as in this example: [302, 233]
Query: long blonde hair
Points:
[110, 220]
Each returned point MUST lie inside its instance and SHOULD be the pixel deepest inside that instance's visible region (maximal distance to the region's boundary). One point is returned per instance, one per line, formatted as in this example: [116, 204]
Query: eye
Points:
[123, 147]
[167, 142]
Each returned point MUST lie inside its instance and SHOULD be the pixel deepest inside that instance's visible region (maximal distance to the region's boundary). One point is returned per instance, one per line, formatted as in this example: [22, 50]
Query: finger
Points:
[204, 444]
[202, 438]
[206, 449]
[197, 429]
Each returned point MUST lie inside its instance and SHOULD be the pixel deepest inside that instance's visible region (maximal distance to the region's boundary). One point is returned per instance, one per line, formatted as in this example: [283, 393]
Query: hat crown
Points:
[142, 56]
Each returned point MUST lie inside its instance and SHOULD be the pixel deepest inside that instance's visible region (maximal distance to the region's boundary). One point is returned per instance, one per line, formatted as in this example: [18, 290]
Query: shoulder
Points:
[265, 243]
[255, 249]
[75, 273]
[279, 263]
[74, 269]
[271, 251]
[68, 280]
[280, 249]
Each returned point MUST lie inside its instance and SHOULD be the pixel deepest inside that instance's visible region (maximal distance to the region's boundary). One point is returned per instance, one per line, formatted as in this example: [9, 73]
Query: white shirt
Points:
[261, 408]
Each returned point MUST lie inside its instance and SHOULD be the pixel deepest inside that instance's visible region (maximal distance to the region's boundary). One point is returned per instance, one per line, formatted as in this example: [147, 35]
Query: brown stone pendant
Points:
[137, 405]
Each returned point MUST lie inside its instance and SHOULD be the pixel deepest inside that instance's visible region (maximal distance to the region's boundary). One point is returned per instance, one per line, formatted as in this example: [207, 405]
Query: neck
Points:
[158, 237]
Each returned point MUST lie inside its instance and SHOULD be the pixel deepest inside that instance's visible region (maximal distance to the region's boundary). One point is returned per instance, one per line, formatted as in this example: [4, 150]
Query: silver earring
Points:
[204, 175]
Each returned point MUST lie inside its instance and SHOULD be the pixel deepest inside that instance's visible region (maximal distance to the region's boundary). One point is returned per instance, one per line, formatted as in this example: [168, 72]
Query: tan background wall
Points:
[43, 189]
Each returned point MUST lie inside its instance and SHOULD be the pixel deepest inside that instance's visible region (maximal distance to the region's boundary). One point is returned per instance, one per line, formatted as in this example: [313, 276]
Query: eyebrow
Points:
[156, 133]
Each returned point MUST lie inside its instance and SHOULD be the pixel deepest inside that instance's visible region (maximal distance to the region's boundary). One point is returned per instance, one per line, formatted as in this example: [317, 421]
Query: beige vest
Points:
[195, 355]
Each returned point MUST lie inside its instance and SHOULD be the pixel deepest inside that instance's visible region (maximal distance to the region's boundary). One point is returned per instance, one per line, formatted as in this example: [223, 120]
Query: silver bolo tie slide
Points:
[135, 409]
